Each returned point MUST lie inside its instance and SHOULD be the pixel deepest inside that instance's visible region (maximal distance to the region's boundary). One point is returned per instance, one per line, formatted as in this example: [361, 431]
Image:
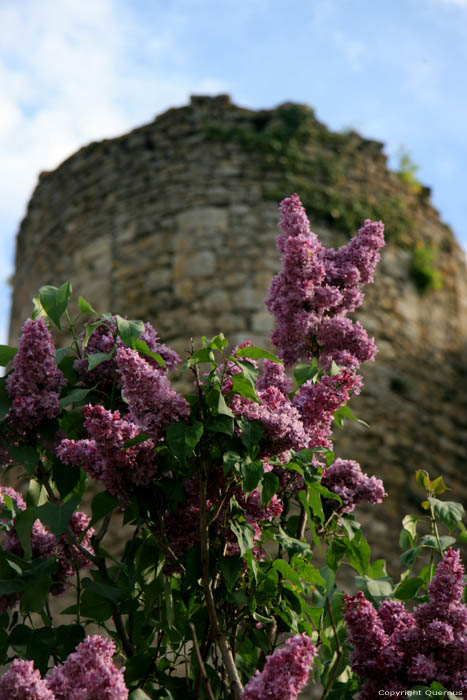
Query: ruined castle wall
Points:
[173, 224]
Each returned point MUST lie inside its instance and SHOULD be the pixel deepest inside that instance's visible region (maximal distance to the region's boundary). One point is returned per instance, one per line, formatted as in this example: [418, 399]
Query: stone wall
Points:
[175, 223]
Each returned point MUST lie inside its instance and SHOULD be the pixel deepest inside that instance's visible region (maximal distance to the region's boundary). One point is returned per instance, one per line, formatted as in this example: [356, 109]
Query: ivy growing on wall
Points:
[315, 162]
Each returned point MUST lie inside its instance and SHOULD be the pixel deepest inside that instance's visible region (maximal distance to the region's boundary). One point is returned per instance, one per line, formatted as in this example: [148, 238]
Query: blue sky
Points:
[79, 70]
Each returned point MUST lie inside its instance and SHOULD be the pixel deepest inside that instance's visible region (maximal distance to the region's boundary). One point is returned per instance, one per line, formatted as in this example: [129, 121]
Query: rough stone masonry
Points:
[175, 222]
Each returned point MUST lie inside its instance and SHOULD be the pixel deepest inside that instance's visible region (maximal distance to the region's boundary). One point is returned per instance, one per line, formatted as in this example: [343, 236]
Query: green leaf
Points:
[269, 487]
[314, 501]
[430, 541]
[377, 569]
[142, 347]
[221, 424]
[243, 386]
[449, 512]
[105, 590]
[93, 607]
[55, 516]
[7, 353]
[129, 331]
[26, 456]
[252, 432]
[346, 412]
[256, 353]
[142, 437]
[54, 301]
[423, 479]
[409, 557]
[85, 307]
[97, 358]
[182, 438]
[244, 534]
[438, 486]
[407, 588]
[102, 504]
[61, 353]
[76, 396]
[138, 694]
[35, 596]
[24, 522]
[67, 639]
[357, 553]
[291, 545]
[252, 474]
[40, 647]
[230, 569]
[20, 638]
[287, 572]
[308, 572]
[232, 460]
[409, 524]
[305, 371]
[219, 342]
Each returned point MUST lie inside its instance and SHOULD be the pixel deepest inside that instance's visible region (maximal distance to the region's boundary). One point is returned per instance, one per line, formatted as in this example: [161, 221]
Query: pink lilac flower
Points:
[23, 682]
[345, 478]
[273, 374]
[103, 340]
[315, 289]
[344, 342]
[104, 456]
[89, 673]
[35, 383]
[153, 404]
[392, 646]
[317, 403]
[283, 427]
[69, 557]
[285, 672]
[14, 495]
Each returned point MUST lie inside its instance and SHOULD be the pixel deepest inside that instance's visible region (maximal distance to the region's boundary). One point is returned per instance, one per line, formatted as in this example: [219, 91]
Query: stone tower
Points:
[175, 223]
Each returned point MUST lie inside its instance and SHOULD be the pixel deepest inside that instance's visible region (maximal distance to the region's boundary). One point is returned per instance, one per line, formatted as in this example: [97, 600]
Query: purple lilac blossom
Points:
[316, 404]
[153, 404]
[316, 288]
[103, 339]
[273, 374]
[283, 427]
[345, 478]
[23, 682]
[104, 456]
[69, 557]
[395, 648]
[89, 673]
[285, 672]
[35, 382]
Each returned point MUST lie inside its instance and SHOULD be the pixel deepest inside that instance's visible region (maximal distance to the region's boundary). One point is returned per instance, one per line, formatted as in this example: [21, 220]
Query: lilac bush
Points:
[226, 492]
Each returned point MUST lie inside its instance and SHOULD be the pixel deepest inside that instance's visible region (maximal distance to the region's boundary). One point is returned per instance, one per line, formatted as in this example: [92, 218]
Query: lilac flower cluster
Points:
[285, 672]
[35, 383]
[346, 478]
[318, 402]
[394, 649]
[87, 674]
[316, 288]
[103, 339]
[152, 402]
[45, 545]
[105, 457]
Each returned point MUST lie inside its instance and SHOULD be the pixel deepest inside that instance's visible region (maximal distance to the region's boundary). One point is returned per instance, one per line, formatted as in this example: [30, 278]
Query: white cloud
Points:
[68, 76]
